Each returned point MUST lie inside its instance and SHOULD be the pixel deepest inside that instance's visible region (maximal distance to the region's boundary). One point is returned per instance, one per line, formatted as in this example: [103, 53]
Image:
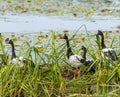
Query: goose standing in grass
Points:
[76, 61]
[109, 52]
[14, 59]
[87, 62]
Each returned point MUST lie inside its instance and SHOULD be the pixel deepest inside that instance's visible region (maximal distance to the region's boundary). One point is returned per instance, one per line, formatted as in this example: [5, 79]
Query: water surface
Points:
[32, 23]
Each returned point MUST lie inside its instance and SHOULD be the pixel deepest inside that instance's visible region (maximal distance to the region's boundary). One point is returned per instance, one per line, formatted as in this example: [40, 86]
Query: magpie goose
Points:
[76, 61]
[88, 62]
[18, 60]
[109, 52]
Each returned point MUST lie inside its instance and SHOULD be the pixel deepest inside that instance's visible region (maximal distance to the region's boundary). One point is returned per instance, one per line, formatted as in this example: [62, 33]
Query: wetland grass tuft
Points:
[46, 78]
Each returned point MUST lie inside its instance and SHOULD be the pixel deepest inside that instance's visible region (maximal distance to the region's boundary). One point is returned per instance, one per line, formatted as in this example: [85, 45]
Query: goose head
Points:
[83, 48]
[8, 41]
[109, 52]
[99, 32]
[64, 36]
[69, 51]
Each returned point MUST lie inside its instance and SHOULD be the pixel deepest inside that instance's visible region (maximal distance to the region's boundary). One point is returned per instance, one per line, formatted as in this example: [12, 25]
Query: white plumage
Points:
[21, 58]
[107, 52]
[18, 61]
[76, 61]
[14, 58]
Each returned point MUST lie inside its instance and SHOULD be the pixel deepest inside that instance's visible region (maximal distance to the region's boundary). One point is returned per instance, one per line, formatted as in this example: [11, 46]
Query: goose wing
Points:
[16, 61]
[76, 60]
[91, 65]
[110, 53]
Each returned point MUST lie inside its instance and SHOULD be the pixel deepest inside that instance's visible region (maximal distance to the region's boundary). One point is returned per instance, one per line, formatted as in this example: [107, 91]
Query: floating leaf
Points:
[32, 6]
[90, 13]
[14, 39]
[65, 31]
[75, 14]
[110, 11]
[40, 38]
[24, 11]
[80, 9]
[19, 7]
[22, 35]
[12, 35]
[60, 12]
[10, 1]
[43, 36]
[16, 45]
[40, 49]
[28, 1]
[93, 7]
[39, 1]
[106, 10]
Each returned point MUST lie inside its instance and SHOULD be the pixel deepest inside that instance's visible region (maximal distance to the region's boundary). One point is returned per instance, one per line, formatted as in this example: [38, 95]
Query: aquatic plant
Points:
[48, 77]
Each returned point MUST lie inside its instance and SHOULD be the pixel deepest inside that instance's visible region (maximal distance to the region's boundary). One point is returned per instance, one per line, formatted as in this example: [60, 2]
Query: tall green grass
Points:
[47, 78]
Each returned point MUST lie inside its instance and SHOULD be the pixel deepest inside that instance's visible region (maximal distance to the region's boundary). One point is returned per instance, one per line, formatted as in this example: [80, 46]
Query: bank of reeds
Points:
[47, 78]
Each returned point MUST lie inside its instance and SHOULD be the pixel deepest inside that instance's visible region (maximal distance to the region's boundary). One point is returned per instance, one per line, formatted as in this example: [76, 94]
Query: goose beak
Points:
[96, 33]
[61, 36]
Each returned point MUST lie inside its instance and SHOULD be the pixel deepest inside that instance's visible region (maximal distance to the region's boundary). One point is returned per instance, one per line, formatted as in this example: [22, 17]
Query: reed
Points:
[46, 78]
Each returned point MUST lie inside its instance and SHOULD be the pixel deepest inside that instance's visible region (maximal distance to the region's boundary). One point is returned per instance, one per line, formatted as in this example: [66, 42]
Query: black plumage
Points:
[76, 61]
[109, 52]
[88, 63]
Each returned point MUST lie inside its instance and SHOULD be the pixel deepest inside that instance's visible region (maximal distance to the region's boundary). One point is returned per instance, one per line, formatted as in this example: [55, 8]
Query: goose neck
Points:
[69, 51]
[13, 51]
[102, 41]
[84, 54]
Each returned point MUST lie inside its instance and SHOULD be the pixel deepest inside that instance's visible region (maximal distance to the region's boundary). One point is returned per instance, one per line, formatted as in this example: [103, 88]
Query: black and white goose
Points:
[76, 61]
[109, 52]
[17, 60]
[87, 62]
[14, 58]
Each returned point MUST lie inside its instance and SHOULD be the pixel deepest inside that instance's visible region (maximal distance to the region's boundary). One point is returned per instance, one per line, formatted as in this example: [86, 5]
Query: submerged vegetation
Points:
[79, 8]
[52, 74]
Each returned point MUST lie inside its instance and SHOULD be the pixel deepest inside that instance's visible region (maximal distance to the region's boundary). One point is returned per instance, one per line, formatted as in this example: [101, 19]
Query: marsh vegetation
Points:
[52, 74]
[35, 27]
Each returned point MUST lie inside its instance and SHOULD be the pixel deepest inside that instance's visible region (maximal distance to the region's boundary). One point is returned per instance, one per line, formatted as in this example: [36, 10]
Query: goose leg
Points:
[75, 73]
[78, 72]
